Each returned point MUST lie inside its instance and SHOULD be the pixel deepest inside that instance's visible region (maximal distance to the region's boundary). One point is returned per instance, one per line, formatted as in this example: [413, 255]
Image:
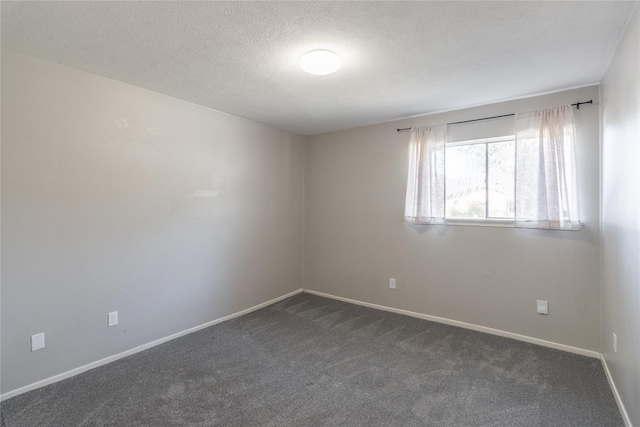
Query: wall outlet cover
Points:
[113, 318]
[543, 307]
[37, 341]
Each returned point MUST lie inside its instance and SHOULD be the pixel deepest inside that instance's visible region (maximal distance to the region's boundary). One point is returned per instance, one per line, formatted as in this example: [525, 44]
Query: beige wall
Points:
[621, 217]
[118, 198]
[355, 239]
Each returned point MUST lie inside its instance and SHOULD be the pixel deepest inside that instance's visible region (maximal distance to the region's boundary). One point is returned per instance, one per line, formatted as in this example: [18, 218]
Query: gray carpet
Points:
[311, 361]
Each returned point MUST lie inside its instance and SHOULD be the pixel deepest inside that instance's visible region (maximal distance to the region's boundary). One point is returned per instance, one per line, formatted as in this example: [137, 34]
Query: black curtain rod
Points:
[577, 105]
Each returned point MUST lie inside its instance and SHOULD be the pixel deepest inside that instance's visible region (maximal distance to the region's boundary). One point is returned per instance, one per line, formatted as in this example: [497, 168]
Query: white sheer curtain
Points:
[546, 183]
[425, 184]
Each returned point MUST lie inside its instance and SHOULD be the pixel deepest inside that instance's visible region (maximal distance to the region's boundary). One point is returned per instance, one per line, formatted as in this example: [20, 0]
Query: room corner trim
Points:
[478, 328]
[616, 395]
[97, 363]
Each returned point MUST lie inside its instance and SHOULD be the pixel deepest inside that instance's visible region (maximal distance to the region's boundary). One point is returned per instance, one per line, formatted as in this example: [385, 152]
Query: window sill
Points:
[509, 223]
[501, 223]
[504, 223]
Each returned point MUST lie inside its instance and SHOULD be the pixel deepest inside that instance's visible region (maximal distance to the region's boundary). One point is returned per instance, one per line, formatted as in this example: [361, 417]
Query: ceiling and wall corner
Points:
[399, 59]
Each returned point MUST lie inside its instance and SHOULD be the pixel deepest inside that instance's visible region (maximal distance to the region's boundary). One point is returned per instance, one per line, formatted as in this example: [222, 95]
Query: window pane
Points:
[465, 181]
[501, 179]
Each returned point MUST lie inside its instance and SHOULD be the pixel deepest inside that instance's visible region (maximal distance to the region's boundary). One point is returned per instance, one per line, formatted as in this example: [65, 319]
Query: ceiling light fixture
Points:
[320, 62]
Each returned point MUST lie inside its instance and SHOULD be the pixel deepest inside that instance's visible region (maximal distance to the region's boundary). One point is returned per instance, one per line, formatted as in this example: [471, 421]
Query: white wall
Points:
[355, 238]
[621, 217]
[118, 198]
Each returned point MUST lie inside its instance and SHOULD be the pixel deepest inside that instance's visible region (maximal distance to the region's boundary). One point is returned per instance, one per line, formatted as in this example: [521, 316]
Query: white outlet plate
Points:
[615, 343]
[543, 307]
[392, 283]
[37, 341]
[113, 318]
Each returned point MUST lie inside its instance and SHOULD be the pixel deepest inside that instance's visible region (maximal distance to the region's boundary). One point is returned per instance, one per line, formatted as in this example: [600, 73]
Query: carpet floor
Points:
[312, 361]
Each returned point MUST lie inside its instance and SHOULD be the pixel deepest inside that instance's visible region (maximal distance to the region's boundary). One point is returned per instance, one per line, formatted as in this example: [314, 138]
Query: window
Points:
[528, 179]
[480, 179]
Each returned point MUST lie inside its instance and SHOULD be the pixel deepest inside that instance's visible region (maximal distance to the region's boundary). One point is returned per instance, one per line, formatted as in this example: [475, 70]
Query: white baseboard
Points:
[616, 395]
[97, 363]
[544, 343]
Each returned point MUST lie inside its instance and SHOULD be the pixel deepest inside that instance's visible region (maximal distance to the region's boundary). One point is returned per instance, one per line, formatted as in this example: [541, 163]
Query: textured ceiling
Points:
[399, 58]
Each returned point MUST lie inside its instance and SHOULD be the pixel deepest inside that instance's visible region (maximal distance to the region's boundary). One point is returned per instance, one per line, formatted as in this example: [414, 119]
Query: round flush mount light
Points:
[320, 62]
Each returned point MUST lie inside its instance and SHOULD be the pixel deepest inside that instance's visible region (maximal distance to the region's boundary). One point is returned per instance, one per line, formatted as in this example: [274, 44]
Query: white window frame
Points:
[487, 221]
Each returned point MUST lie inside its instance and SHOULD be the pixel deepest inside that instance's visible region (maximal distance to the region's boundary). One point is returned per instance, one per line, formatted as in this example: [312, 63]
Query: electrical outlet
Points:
[615, 343]
[392, 283]
[113, 318]
[543, 307]
[37, 341]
